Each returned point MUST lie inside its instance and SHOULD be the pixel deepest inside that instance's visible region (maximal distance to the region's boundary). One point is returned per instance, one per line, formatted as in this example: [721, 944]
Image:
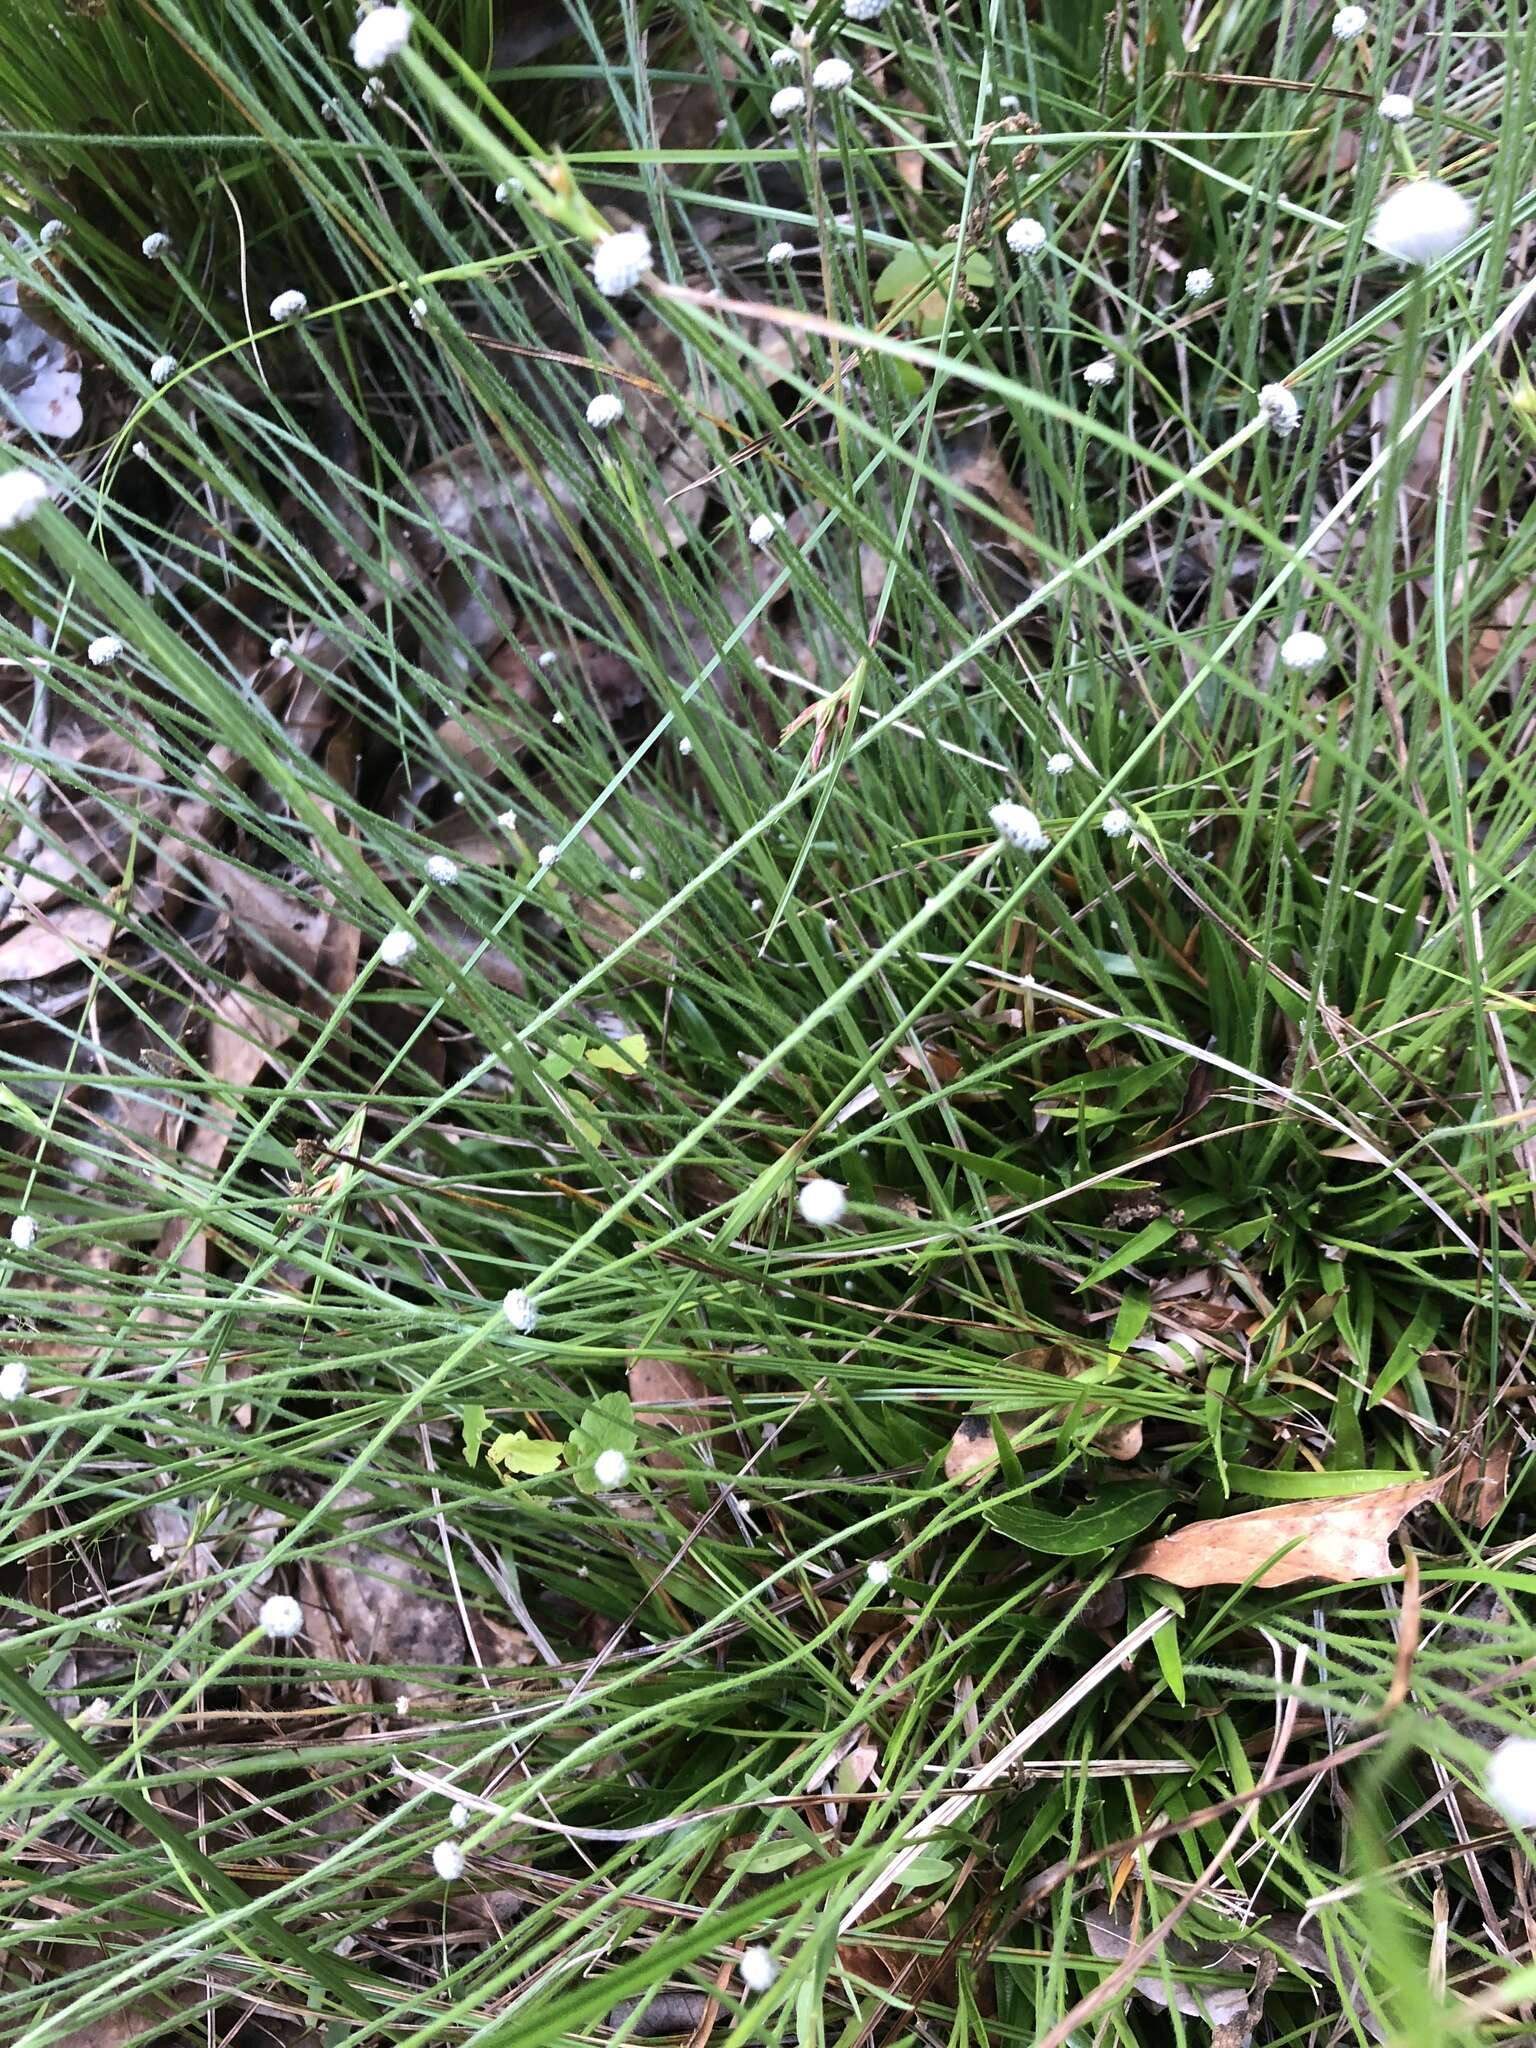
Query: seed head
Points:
[548, 855]
[865, 10]
[379, 36]
[448, 1861]
[1017, 826]
[1395, 107]
[442, 870]
[104, 650]
[1116, 823]
[604, 411]
[289, 306]
[1281, 408]
[1058, 764]
[1510, 1779]
[832, 74]
[789, 99]
[1200, 283]
[458, 1815]
[521, 1311]
[23, 1232]
[162, 370]
[281, 1616]
[14, 1376]
[1100, 375]
[1303, 650]
[503, 193]
[782, 59]
[22, 493]
[763, 528]
[156, 245]
[823, 1203]
[1421, 222]
[620, 261]
[52, 231]
[420, 312]
[396, 947]
[1026, 237]
[780, 252]
[610, 1468]
[877, 1572]
[758, 1969]
[1350, 22]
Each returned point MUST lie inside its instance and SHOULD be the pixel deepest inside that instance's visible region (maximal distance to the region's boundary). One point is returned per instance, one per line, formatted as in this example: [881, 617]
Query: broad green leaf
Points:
[1126, 1512]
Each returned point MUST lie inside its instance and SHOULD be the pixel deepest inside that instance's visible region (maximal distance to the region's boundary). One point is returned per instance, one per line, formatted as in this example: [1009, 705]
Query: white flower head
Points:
[783, 59]
[620, 261]
[448, 1861]
[1199, 283]
[878, 1572]
[604, 411]
[52, 231]
[156, 245]
[281, 1616]
[832, 74]
[289, 306]
[865, 10]
[507, 820]
[789, 99]
[1058, 764]
[521, 1311]
[1017, 826]
[162, 370]
[1303, 650]
[1510, 1780]
[279, 649]
[1116, 823]
[548, 658]
[1395, 107]
[780, 252]
[23, 1232]
[330, 110]
[1350, 22]
[503, 193]
[14, 1376]
[763, 528]
[1280, 407]
[420, 312]
[22, 493]
[1101, 374]
[548, 855]
[685, 745]
[1026, 237]
[758, 1969]
[380, 35]
[1009, 102]
[458, 1815]
[442, 870]
[823, 1203]
[396, 947]
[104, 650]
[1421, 222]
[610, 1468]
[373, 92]
[637, 873]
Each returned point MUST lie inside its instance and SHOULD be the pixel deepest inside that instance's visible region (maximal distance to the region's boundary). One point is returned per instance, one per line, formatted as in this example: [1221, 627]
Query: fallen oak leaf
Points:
[1342, 1541]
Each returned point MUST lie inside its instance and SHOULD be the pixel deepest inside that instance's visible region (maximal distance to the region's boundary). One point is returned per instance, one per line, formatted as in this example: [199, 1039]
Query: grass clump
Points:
[673, 1073]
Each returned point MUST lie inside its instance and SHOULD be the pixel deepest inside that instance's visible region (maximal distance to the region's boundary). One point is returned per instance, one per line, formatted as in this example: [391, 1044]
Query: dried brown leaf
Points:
[1340, 1540]
[56, 938]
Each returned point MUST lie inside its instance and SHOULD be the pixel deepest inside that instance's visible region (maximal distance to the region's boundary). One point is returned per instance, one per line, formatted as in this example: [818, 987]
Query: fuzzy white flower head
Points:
[1026, 237]
[548, 658]
[1017, 826]
[1510, 1779]
[1350, 22]
[548, 855]
[1116, 823]
[13, 1379]
[620, 261]
[521, 1311]
[419, 311]
[503, 193]
[1009, 102]
[783, 59]
[1395, 107]
[379, 36]
[104, 650]
[23, 1232]
[878, 1572]
[441, 869]
[279, 649]
[396, 947]
[637, 873]
[604, 411]
[685, 745]
[1058, 764]
[52, 231]
[789, 99]
[832, 74]
[156, 245]
[458, 1815]
[162, 370]
[281, 1616]
[1199, 283]
[507, 820]
[780, 252]
[22, 493]
[1421, 222]
[1303, 650]
[1100, 375]
[289, 306]
[823, 1203]
[448, 1861]
[865, 10]
[1281, 408]
[610, 1468]
[763, 528]
[758, 1969]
